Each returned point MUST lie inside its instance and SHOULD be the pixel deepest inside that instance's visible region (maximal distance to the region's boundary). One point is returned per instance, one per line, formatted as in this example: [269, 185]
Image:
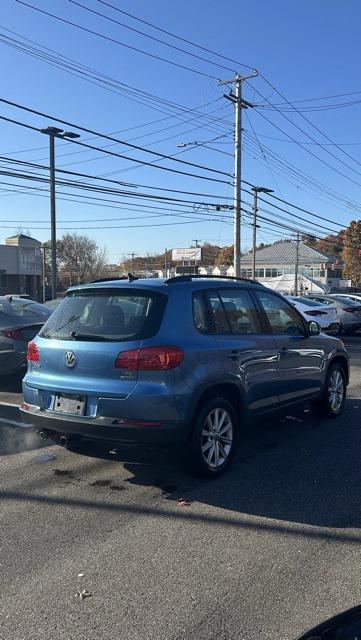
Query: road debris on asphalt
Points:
[45, 457]
[182, 502]
[84, 593]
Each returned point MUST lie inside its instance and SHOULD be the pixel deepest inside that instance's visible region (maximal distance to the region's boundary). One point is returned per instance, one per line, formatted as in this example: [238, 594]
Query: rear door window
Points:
[233, 311]
[106, 315]
[240, 311]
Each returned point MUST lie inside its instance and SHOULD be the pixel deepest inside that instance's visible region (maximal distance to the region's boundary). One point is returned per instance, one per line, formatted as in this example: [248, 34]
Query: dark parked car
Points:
[20, 321]
[184, 360]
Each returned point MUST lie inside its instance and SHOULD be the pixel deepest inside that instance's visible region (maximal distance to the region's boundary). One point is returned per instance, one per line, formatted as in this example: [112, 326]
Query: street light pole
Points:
[54, 132]
[256, 191]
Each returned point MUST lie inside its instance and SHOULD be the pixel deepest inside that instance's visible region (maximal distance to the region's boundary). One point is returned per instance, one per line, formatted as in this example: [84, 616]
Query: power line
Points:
[309, 136]
[118, 155]
[95, 77]
[303, 177]
[147, 35]
[115, 41]
[173, 35]
[107, 137]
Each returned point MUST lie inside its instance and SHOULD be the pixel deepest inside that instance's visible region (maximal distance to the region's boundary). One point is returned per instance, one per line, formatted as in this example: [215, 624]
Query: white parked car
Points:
[325, 315]
[356, 297]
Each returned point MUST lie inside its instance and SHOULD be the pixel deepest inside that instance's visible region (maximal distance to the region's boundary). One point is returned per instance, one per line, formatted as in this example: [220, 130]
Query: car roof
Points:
[164, 284]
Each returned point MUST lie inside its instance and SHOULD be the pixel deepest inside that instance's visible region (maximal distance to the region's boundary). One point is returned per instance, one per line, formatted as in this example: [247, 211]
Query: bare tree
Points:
[80, 259]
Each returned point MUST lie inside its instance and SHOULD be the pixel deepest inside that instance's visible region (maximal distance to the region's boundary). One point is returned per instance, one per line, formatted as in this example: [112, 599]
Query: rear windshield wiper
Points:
[87, 336]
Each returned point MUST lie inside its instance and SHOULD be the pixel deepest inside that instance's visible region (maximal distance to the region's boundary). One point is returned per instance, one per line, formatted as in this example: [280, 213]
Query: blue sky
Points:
[305, 49]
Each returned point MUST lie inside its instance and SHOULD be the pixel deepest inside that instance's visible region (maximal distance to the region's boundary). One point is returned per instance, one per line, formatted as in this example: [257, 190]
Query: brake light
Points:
[14, 334]
[316, 313]
[150, 359]
[352, 309]
[33, 352]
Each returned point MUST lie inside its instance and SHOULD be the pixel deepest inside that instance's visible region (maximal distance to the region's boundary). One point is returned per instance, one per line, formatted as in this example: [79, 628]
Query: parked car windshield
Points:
[20, 308]
[106, 315]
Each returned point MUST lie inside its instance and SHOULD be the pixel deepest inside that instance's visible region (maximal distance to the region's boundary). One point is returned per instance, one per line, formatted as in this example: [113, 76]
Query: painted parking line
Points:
[10, 404]
[16, 423]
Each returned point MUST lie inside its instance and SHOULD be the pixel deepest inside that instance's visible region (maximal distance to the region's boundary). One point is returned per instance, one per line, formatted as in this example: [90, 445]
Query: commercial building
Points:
[280, 259]
[20, 266]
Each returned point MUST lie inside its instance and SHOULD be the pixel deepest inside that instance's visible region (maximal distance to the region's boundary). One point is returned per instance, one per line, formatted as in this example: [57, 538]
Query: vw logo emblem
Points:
[70, 359]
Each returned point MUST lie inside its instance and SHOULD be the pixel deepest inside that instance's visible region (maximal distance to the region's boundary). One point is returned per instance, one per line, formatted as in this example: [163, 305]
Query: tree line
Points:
[80, 259]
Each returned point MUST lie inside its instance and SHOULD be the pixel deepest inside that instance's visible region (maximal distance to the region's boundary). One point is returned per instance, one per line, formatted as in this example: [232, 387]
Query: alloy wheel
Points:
[217, 437]
[336, 390]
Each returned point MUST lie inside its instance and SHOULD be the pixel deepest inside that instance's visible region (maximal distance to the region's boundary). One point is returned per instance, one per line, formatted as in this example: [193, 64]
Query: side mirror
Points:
[314, 328]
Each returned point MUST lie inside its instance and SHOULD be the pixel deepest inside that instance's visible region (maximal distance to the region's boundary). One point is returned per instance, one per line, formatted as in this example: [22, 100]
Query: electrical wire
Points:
[115, 41]
[147, 35]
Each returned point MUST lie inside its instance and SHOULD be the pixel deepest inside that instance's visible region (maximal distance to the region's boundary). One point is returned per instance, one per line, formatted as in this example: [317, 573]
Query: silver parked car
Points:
[20, 321]
[348, 311]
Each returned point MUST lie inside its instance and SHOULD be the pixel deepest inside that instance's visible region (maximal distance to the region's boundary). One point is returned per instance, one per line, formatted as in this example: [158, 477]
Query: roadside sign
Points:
[193, 253]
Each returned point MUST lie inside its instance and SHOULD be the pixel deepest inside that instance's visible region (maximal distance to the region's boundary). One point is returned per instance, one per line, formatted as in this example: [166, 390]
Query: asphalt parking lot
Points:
[266, 551]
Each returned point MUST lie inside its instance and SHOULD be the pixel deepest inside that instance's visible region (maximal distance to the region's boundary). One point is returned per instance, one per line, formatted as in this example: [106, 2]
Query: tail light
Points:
[150, 359]
[33, 352]
[352, 309]
[14, 334]
[316, 313]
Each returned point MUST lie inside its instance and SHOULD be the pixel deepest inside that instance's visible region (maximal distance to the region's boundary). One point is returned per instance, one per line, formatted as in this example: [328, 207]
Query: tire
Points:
[333, 399]
[212, 448]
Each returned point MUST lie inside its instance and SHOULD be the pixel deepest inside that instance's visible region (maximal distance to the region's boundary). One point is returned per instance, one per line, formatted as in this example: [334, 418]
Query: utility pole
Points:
[43, 246]
[196, 240]
[165, 262]
[54, 132]
[297, 263]
[239, 104]
[132, 255]
[52, 214]
[256, 191]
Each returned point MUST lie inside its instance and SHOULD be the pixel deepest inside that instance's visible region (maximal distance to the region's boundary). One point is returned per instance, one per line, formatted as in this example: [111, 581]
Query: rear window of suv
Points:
[106, 315]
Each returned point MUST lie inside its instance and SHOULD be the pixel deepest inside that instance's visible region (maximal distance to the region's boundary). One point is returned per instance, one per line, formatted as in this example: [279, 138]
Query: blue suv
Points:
[185, 360]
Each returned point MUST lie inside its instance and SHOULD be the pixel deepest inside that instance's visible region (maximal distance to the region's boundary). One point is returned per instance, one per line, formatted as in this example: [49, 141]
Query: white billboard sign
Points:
[193, 253]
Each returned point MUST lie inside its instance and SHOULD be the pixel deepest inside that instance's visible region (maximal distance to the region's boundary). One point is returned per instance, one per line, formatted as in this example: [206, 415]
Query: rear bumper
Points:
[103, 428]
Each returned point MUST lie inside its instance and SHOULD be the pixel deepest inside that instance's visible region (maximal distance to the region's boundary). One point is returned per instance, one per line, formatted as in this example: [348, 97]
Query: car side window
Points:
[240, 311]
[217, 312]
[282, 317]
[199, 314]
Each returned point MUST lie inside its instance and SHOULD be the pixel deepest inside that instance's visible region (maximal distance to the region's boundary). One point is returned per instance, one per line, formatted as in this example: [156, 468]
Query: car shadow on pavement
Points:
[12, 383]
[298, 469]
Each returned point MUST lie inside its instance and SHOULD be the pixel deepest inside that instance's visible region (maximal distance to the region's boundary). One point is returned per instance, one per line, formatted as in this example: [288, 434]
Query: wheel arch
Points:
[227, 389]
[342, 361]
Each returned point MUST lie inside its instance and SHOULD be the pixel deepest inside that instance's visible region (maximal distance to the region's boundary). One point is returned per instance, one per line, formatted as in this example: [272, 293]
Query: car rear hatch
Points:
[76, 352]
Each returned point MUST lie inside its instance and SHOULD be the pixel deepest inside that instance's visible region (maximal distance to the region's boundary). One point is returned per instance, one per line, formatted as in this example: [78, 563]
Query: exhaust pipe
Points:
[63, 441]
[43, 435]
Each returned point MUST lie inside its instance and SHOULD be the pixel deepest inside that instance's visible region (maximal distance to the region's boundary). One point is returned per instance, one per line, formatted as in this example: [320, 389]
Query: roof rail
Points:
[129, 277]
[190, 277]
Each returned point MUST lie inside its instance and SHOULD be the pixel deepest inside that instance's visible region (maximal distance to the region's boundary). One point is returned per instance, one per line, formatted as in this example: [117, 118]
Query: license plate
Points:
[74, 405]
